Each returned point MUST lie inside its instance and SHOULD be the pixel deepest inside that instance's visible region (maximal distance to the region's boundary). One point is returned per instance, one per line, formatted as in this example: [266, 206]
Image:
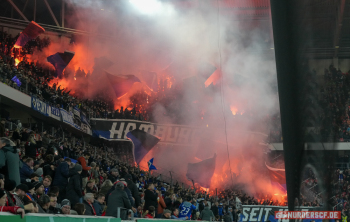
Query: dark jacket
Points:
[61, 175]
[118, 198]
[215, 210]
[207, 214]
[112, 178]
[227, 218]
[98, 208]
[30, 149]
[9, 158]
[25, 172]
[169, 203]
[47, 169]
[90, 211]
[74, 188]
[151, 199]
[134, 192]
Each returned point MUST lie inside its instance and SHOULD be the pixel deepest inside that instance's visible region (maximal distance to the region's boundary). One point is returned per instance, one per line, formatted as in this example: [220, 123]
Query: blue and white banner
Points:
[67, 117]
[55, 113]
[76, 112]
[41, 106]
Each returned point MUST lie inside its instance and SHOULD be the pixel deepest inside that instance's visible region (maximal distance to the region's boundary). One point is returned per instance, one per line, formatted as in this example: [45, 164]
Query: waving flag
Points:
[121, 84]
[32, 31]
[150, 165]
[202, 172]
[17, 81]
[60, 61]
[278, 178]
[143, 143]
[150, 78]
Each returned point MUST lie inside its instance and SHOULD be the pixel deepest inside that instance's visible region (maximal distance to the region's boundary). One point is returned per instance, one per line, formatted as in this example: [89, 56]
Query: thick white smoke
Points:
[161, 34]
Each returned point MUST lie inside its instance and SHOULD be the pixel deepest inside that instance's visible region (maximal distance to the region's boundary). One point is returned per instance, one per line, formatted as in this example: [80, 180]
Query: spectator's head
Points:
[176, 212]
[79, 208]
[89, 197]
[101, 198]
[167, 213]
[114, 172]
[31, 188]
[53, 199]
[65, 206]
[55, 191]
[90, 184]
[10, 185]
[150, 186]
[44, 201]
[29, 161]
[49, 158]
[78, 168]
[152, 211]
[107, 183]
[93, 164]
[47, 181]
[39, 188]
[34, 177]
[21, 190]
[86, 155]
[188, 198]
[120, 185]
[3, 197]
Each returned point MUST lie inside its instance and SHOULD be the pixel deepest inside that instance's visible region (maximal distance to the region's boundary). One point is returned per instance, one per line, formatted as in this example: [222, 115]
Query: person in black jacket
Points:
[74, 187]
[31, 147]
[118, 198]
[48, 166]
[215, 209]
[61, 177]
[151, 198]
[88, 201]
[134, 191]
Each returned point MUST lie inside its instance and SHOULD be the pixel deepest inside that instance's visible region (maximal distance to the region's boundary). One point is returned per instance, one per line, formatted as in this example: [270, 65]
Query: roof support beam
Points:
[51, 12]
[17, 9]
[25, 6]
[338, 26]
[62, 13]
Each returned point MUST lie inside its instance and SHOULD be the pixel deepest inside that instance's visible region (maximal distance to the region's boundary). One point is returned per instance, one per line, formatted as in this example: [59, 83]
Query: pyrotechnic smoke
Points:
[173, 41]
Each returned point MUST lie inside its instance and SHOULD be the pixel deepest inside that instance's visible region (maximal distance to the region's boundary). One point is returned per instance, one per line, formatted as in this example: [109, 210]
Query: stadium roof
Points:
[327, 20]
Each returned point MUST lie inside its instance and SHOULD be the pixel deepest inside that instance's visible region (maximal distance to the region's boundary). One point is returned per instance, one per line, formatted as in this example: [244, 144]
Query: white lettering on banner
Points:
[161, 132]
[184, 135]
[114, 131]
[171, 138]
[129, 127]
[148, 128]
[245, 214]
[253, 215]
[267, 210]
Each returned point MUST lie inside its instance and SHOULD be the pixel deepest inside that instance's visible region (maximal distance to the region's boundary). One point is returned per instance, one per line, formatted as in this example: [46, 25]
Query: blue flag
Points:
[60, 61]
[150, 165]
[202, 172]
[143, 143]
[16, 80]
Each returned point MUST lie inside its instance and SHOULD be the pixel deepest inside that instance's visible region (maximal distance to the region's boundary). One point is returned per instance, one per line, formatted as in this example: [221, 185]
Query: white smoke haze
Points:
[173, 40]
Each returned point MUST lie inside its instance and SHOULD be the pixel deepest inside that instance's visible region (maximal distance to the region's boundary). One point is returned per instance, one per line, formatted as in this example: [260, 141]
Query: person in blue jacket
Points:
[221, 210]
[186, 208]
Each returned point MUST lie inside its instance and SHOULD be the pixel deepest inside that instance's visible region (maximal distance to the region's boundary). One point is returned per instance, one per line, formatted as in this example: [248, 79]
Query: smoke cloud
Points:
[173, 41]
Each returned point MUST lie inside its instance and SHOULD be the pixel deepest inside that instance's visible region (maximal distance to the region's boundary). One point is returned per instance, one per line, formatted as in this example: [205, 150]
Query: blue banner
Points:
[40, 106]
[55, 113]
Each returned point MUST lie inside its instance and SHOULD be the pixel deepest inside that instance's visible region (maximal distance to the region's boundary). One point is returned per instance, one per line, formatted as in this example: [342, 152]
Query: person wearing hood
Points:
[9, 158]
[118, 198]
[186, 208]
[207, 214]
[74, 187]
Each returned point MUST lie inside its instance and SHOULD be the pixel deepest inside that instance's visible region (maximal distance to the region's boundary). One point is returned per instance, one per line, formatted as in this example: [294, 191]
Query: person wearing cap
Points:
[38, 190]
[166, 214]
[65, 207]
[9, 159]
[113, 175]
[10, 209]
[207, 214]
[118, 198]
[74, 188]
[30, 192]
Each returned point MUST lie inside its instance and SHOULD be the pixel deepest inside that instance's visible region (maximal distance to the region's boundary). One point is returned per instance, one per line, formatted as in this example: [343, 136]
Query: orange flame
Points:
[233, 110]
[17, 61]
